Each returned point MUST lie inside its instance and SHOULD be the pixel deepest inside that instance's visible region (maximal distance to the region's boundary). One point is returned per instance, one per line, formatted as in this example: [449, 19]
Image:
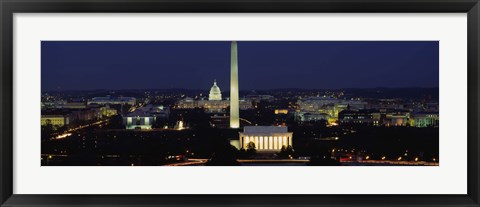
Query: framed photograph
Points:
[239, 103]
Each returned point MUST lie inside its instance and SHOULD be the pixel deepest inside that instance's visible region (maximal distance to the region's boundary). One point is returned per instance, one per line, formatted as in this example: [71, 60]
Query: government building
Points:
[266, 138]
[145, 117]
[215, 104]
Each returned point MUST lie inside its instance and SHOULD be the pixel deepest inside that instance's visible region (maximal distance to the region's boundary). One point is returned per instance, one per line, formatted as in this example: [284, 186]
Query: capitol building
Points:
[215, 93]
[215, 103]
[265, 138]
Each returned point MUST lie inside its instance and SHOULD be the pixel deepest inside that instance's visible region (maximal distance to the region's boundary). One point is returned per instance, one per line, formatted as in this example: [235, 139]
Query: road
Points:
[197, 162]
[69, 132]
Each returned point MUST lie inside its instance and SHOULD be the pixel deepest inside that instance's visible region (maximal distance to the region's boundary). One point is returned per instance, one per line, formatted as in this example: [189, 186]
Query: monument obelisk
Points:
[234, 102]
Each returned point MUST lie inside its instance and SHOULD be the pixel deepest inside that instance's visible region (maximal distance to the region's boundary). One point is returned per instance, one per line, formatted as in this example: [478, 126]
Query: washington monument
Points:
[234, 110]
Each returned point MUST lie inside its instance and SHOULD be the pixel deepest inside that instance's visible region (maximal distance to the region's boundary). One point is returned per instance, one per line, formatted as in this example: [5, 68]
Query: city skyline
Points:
[134, 65]
[300, 127]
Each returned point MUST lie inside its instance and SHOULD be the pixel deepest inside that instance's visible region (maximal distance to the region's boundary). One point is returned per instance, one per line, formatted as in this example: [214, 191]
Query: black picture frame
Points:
[9, 7]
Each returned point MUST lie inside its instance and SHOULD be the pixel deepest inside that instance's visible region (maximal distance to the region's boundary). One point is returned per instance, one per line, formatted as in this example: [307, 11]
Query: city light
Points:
[260, 119]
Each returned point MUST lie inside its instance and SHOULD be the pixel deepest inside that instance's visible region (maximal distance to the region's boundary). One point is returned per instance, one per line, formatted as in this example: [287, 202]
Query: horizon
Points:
[197, 89]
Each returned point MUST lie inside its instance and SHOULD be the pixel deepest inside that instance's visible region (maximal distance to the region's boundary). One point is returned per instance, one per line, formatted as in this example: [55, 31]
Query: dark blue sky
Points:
[81, 65]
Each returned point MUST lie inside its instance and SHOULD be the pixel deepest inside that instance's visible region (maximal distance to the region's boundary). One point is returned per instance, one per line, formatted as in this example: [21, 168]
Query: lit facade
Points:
[138, 122]
[145, 117]
[211, 106]
[426, 120]
[266, 138]
[324, 108]
[107, 111]
[214, 104]
[234, 95]
[399, 119]
[309, 117]
[215, 93]
[187, 103]
[364, 117]
[55, 120]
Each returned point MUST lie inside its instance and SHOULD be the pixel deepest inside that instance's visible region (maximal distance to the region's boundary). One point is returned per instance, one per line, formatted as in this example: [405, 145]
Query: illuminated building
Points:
[382, 117]
[426, 120]
[112, 100]
[144, 117]
[399, 119]
[55, 120]
[179, 125]
[187, 103]
[315, 104]
[107, 111]
[364, 117]
[215, 93]
[309, 117]
[138, 122]
[63, 117]
[234, 99]
[52, 104]
[214, 104]
[281, 111]
[317, 108]
[266, 138]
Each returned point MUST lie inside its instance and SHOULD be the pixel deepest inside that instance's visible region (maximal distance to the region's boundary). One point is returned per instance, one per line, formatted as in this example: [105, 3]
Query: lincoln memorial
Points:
[266, 138]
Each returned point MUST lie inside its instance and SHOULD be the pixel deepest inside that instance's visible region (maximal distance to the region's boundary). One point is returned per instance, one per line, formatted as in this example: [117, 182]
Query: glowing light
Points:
[416, 159]
[270, 143]
[275, 143]
[367, 157]
[180, 125]
[383, 158]
[61, 136]
[399, 158]
[260, 143]
[234, 99]
[281, 111]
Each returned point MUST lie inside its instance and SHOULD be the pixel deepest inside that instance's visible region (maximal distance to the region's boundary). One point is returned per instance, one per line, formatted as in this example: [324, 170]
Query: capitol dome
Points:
[215, 93]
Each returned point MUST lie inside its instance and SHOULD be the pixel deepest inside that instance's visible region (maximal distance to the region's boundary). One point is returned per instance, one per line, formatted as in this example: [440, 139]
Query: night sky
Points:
[82, 65]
